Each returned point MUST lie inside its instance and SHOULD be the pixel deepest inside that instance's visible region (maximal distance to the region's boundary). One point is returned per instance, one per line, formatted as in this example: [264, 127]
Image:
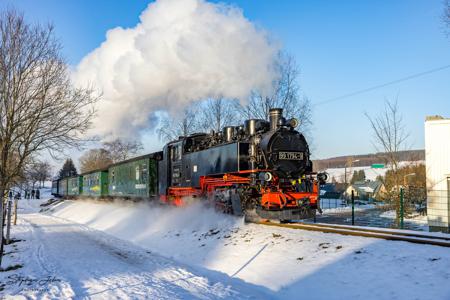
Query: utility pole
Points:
[349, 163]
[401, 208]
[345, 175]
[353, 207]
[402, 199]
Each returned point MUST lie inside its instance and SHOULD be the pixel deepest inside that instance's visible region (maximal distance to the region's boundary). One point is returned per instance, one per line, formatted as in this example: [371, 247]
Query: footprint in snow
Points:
[324, 245]
[434, 258]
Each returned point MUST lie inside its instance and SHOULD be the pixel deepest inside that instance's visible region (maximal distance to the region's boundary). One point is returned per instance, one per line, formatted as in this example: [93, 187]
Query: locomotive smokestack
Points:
[228, 133]
[274, 115]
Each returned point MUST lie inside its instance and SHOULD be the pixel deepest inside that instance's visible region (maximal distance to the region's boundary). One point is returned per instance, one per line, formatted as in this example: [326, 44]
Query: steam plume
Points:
[179, 52]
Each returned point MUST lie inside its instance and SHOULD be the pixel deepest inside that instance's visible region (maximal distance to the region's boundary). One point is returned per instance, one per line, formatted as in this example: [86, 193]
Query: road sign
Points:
[377, 166]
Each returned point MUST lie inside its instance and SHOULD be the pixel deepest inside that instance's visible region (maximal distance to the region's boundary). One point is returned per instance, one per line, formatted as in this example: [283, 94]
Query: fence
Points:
[332, 203]
[406, 209]
[438, 210]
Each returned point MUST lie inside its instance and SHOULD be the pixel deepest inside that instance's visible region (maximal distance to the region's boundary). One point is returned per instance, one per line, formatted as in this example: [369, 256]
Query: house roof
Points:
[368, 186]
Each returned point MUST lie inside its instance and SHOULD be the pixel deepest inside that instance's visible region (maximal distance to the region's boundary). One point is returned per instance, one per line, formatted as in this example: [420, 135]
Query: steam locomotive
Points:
[261, 169]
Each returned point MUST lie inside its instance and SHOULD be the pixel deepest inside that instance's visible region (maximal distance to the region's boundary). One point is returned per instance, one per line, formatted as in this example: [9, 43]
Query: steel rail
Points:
[375, 230]
[393, 236]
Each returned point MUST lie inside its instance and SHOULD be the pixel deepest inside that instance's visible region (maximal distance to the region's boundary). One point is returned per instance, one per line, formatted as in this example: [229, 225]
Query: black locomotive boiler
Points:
[261, 167]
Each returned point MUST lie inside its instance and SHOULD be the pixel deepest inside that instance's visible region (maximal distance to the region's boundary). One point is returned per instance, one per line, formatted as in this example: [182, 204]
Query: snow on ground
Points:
[119, 250]
[274, 262]
[63, 260]
[415, 218]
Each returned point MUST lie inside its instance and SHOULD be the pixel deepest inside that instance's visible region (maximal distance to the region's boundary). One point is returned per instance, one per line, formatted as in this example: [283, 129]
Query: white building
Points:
[437, 157]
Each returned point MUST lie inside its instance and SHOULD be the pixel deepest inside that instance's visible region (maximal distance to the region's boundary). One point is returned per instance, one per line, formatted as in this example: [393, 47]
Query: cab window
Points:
[175, 152]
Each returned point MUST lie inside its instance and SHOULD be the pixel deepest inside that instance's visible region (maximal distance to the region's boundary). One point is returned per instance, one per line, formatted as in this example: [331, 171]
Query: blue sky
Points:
[340, 46]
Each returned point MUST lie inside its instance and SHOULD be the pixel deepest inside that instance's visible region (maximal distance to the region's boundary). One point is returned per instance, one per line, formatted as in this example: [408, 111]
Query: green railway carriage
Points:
[62, 187]
[135, 178]
[95, 183]
[74, 185]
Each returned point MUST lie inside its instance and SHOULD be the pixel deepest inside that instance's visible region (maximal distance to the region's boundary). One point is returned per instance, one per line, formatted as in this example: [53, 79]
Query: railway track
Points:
[417, 238]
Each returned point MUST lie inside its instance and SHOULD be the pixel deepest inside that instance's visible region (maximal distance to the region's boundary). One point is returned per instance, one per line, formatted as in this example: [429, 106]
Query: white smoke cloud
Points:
[179, 52]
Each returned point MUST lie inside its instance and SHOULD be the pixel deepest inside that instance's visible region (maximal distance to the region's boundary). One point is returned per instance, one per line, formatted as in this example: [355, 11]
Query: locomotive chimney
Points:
[274, 116]
[228, 133]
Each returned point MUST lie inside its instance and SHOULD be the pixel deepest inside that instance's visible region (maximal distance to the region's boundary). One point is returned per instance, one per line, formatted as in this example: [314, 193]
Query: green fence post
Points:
[353, 208]
[401, 208]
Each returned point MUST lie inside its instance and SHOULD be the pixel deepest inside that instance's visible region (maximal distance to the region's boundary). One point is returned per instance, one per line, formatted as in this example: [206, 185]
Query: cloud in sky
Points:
[179, 52]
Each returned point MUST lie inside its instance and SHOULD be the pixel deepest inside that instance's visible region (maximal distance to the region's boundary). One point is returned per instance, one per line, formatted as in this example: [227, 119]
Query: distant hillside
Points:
[366, 159]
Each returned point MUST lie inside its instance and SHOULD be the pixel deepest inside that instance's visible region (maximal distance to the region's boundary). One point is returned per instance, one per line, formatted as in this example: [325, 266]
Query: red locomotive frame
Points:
[274, 196]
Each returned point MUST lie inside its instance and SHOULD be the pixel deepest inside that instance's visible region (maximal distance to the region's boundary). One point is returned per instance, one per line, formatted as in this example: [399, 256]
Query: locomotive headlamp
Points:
[265, 176]
[322, 177]
[293, 122]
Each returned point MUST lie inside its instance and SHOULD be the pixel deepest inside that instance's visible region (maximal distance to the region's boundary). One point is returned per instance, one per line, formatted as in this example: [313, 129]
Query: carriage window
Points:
[112, 176]
[137, 173]
[144, 173]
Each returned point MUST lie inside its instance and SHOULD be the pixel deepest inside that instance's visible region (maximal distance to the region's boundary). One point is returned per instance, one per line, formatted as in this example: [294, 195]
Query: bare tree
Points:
[390, 137]
[38, 172]
[186, 123]
[446, 15]
[95, 159]
[285, 95]
[121, 150]
[39, 107]
[218, 113]
[214, 114]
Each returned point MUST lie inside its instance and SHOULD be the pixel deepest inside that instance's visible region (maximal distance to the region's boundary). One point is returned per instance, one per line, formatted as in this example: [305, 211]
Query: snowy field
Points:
[88, 249]
[340, 205]
[416, 218]
[371, 174]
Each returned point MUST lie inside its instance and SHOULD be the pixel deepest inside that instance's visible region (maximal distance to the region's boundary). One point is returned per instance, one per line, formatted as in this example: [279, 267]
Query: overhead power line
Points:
[382, 85]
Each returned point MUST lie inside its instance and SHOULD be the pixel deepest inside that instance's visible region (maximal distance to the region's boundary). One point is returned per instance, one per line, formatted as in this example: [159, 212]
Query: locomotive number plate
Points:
[290, 155]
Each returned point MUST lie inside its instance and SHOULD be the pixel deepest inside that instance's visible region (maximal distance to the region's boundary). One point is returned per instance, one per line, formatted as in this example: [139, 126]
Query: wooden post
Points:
[2, 196]
[401, 209]
[15, 211]
[8, 225]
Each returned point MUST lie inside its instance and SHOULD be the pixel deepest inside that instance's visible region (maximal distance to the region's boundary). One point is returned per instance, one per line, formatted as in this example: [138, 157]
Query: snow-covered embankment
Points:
[289, 262]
